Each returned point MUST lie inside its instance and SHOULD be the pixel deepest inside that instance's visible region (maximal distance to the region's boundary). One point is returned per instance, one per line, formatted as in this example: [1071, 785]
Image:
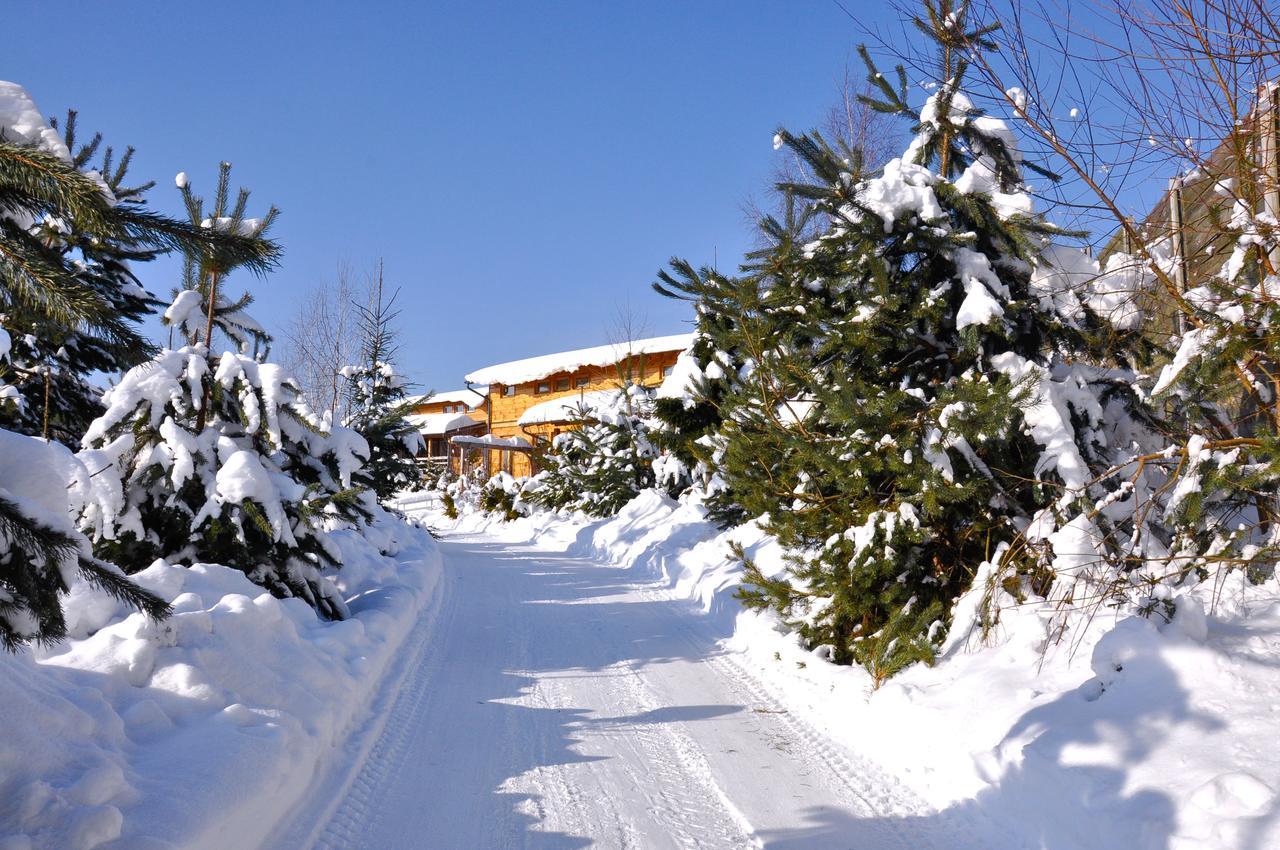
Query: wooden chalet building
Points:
[530, 401]
[442, 416]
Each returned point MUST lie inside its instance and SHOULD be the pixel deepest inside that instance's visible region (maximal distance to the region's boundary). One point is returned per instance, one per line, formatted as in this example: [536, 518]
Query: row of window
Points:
[562, 384]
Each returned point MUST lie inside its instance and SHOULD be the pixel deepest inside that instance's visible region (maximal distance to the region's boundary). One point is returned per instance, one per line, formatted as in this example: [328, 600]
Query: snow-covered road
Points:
[552, 702]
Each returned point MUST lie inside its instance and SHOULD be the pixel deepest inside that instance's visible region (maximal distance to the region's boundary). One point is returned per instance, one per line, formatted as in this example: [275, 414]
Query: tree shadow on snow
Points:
[1065, 788]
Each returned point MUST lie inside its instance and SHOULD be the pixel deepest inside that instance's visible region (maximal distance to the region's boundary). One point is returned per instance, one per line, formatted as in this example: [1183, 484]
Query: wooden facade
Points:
[442, 416]
[529, 385]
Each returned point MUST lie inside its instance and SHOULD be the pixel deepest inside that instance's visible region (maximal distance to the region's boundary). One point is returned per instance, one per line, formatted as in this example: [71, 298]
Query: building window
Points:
[508, 390]
[582, 381]
[666, 372]
[562, 384]
[544, 387]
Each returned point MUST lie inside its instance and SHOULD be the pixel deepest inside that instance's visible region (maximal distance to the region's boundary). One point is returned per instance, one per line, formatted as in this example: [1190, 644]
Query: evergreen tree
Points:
[604, 461]
[379, 402]
[904, 400]
[1223, 498]
[44, 291]
[201, 457]
[736, 315]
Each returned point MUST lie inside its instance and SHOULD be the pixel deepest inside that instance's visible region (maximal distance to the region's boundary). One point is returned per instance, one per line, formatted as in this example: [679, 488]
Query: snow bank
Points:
[1124, 732]
[200, 731]
[535, 368]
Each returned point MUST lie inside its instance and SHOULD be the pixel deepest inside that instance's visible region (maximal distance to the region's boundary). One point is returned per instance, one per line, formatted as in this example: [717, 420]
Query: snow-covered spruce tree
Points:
[1223, 500]
[378, 400]
[40, 551]
[912, 415]
[604, 461]
[216, 458]
[736, 314]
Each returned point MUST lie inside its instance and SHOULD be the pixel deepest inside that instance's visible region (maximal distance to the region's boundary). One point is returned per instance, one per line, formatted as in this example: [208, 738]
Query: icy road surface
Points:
[551, 702]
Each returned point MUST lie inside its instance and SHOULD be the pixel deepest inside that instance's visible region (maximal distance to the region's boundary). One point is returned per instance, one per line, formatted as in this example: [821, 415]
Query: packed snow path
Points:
[553, 702]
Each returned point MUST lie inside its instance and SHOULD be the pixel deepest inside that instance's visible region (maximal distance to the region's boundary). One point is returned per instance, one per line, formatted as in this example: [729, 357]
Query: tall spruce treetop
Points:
[378, 400]
[70, 227]
[896, 381]
[216, 457]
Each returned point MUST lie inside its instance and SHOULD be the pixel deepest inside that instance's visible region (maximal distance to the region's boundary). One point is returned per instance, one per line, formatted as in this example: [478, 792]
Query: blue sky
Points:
[523, 168]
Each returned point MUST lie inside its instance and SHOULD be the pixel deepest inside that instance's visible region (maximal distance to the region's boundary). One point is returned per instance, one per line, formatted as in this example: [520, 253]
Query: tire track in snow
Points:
[385, 758]
[615, 721]
[676, 780]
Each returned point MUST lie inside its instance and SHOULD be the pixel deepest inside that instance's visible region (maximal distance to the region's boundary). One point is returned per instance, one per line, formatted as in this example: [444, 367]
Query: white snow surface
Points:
[197, 732]
[24, 124]
[1126, 732]
[491, 441]
[535, 368]
[565, 700]
[466, 397]
[567, 407]
[440, 423]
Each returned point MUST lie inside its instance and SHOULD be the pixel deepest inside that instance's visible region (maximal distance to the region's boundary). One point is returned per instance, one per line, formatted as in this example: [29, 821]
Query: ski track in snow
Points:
[551, 702]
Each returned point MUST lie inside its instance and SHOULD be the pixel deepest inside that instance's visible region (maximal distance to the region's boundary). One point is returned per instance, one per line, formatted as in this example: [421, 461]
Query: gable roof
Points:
[433, 424]
[536, 368]
[467, 397]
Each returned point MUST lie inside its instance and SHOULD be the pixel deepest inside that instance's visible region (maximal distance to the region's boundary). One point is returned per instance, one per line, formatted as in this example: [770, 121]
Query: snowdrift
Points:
[203, 730]
[1125, 732]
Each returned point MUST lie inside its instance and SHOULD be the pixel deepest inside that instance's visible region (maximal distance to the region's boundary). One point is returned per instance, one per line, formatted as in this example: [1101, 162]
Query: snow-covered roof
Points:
[491, 441]
[564, 408]
[467, 397]
[534, 368]
[440, 423]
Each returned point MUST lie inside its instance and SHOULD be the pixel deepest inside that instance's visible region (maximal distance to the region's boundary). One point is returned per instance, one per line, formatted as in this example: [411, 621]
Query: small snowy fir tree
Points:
[605, 460]
[206, 457]
[904, 400]
[378, 401]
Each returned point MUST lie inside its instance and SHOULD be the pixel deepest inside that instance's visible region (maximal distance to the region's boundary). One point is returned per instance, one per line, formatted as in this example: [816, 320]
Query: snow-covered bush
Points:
[503, 495]
[41, 553]
[1224, 498]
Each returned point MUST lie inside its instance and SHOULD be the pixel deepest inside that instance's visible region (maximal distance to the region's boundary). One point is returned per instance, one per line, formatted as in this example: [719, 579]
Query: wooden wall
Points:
[646, 370]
